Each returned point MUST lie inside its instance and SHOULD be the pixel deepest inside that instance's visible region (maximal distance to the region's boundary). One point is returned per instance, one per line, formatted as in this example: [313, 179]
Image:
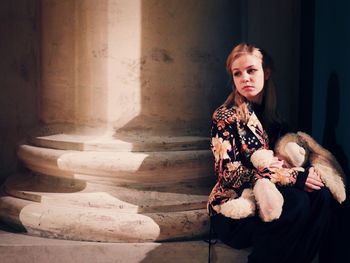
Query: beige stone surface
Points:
[68, 192]
[101, 224]
[67, 208]
[134, 65]
[142, 166]
[127, 142]
[19, 248]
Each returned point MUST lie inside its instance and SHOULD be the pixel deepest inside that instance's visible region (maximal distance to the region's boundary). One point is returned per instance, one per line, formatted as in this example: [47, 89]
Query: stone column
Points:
[127, 91]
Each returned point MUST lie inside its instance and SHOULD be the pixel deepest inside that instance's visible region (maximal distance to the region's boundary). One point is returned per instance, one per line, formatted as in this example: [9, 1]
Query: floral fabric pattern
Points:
[232, 142]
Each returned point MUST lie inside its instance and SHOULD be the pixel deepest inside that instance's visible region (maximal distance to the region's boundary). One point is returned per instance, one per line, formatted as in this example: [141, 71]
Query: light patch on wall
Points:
[124, 62]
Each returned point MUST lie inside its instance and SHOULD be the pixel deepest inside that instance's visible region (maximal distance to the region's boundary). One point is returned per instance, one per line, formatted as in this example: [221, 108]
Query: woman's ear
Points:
[267, 73]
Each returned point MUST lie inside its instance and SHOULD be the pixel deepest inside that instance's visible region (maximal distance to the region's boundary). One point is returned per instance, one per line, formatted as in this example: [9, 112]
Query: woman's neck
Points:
[258, 99]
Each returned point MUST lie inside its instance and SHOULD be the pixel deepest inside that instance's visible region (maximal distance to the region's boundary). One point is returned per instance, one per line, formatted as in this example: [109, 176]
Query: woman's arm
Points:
[228, 158]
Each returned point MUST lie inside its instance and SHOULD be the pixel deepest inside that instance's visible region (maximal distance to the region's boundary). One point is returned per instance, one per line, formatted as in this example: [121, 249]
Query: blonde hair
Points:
[269, 96]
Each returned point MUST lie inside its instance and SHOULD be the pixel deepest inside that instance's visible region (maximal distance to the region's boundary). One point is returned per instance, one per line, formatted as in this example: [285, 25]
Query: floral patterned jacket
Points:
[232, 142]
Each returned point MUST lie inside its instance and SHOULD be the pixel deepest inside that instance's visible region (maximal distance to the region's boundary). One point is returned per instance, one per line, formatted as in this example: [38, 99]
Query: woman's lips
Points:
[248, 87]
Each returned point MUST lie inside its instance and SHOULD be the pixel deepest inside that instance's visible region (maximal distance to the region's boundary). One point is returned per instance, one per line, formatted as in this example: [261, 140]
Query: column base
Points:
[109, 196]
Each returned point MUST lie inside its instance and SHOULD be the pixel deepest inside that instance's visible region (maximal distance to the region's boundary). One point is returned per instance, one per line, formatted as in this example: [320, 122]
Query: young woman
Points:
[247, 121]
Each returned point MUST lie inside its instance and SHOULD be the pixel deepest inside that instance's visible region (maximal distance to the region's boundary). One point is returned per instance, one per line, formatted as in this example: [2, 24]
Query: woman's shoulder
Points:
[224, 113]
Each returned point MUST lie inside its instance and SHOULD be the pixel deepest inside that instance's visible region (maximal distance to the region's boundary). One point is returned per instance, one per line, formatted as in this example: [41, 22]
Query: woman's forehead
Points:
[245, 60]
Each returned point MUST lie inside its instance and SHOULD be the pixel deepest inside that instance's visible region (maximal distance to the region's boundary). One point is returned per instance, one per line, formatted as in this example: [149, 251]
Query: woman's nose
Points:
[245, 77]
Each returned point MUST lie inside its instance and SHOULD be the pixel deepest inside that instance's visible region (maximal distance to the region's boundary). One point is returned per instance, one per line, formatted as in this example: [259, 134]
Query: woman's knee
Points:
[235, 233]
[296, 204]
[323, 197]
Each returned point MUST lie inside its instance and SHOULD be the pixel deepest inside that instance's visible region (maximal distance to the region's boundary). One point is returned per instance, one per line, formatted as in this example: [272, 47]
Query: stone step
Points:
[100, 224]
[110, 196]
[21, 248]
[120, 142]
[148, 167]
[50, 190]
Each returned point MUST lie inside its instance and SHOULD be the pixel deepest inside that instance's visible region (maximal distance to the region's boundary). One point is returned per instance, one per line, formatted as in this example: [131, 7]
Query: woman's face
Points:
[248, 76]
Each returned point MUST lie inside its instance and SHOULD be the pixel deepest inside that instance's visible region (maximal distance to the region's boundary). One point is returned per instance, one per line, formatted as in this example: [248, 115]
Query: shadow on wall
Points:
[332, 120]
[330, 140]
[337, 249]
[182, 70]
[19, 69]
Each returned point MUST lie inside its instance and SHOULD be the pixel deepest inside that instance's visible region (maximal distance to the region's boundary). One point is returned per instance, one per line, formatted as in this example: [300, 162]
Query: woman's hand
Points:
[313, 181]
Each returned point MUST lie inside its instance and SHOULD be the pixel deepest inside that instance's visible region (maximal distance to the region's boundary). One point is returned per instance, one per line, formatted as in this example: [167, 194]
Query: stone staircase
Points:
[95, 188]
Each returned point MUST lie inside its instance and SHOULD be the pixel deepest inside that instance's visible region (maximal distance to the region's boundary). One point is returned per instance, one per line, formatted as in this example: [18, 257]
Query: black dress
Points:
[296, 236]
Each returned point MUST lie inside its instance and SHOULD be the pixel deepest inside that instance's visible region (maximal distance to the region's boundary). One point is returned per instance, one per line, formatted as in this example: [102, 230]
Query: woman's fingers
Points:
[312, 186]
[313, 181]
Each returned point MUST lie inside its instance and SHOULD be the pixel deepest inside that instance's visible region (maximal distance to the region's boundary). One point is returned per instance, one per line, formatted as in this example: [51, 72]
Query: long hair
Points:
[269, 94]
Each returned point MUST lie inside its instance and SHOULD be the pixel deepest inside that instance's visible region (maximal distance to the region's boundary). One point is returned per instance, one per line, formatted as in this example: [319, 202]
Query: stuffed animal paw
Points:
[269, 200]
[238, 208]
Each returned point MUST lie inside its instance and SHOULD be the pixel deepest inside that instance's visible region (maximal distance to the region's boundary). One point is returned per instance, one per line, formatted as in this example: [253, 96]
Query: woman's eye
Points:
[236, 74]
[251, 70]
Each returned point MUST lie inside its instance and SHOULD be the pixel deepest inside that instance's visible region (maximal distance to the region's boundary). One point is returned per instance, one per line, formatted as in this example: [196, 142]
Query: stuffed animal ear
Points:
[290, 139]
[317, 150]
[312, 145]
[332, 179]
[296, 154]
[327, 166]
[262, 158]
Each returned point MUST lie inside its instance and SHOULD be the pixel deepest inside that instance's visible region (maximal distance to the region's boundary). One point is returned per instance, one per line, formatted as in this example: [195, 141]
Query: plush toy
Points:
[292, 151]
[264, 193]
[268, 198]
[325, 164]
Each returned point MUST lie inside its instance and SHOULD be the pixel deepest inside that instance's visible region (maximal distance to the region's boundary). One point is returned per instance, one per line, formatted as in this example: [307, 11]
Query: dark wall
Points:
[275, 26]
[19, 71]
[331, 111]
[331, 94]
